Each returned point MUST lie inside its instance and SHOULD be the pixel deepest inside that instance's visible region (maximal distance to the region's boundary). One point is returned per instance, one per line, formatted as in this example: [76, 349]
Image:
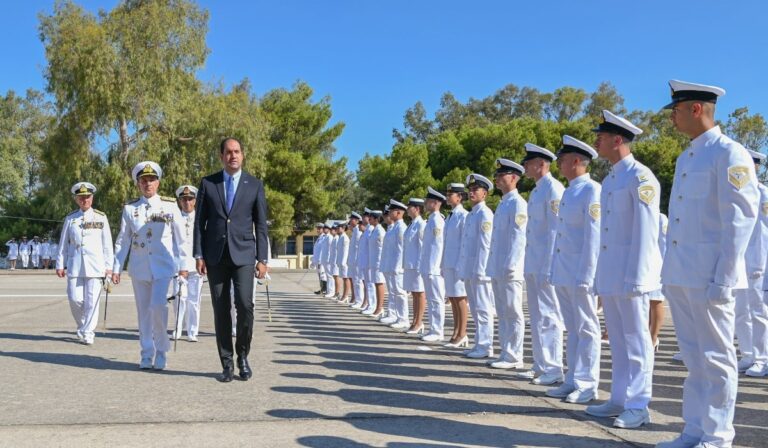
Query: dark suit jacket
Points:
[216, 229]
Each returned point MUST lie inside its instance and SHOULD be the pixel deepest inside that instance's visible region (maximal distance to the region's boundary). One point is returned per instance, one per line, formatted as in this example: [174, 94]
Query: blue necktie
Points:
[230, 193]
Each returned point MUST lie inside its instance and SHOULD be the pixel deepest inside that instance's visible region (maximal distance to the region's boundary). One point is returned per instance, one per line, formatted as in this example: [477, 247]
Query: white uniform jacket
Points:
[630, 260]
[85, 249]
[375, 244]
[507, 254]
[432, 245]
[392, 258]
[757, 249]
[476, 243]
[185, 228]
[317, 249]
[578, 234]
[454, 229]
[354, 245]
[712, 213]
[413, 237]
[362, 251]
[147, 232]
[342, 250]
[543, 206]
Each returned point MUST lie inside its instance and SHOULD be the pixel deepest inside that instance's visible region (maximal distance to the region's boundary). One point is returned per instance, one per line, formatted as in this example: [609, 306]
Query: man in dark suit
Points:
[230, 245]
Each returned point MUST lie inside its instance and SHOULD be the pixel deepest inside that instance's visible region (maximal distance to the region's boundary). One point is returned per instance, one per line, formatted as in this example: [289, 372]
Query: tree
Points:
[606, 97]
[564, 103]
[400, 175]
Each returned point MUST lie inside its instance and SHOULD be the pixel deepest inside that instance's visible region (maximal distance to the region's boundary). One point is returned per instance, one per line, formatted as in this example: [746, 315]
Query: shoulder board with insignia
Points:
[131, 201]
[168, 199]
[99, 212]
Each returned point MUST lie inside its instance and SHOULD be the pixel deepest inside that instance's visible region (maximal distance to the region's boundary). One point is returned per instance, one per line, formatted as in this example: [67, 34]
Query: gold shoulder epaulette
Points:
[168, 199]
[99, 212]
[131, 201]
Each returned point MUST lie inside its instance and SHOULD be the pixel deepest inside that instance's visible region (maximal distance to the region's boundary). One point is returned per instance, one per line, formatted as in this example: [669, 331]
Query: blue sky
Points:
[377, 58]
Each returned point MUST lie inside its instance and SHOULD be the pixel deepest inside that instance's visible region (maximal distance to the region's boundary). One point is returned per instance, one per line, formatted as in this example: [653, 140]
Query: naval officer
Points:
[431, 258]
[85, 258]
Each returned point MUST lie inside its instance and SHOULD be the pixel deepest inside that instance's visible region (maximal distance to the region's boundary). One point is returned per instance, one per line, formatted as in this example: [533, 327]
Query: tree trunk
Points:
[124, 139]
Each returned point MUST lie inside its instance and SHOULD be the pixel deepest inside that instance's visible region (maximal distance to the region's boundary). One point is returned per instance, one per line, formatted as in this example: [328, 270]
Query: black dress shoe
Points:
[227, 375]
[245, 369]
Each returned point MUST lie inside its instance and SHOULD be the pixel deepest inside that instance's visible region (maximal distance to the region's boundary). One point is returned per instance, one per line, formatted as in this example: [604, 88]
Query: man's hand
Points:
[261, 270]
[200, 266]
[116, 279]
[183, 274]
[61, 273]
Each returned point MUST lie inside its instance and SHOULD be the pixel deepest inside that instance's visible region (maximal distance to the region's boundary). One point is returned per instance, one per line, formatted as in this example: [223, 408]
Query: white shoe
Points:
[745, 363]
[758, 370]
[191, 338]
[400, 325]
[432, 337]
[547, 379]
[677, 357]
[632, 418]
[419, 330]
[145, 364]
[389, 320]
[560, 391]
[329, 296]
[682, 441]
[160, 361]
[356, 306]
[367, 312]
[88, 340]
[175, 336]
[80, 336]
[480, 354]
[463, 342]
[525, 374]
[506, 365]
[606, 409]
[581, 396]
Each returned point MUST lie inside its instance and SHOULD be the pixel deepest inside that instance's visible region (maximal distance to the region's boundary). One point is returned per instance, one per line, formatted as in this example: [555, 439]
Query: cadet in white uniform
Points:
[325, 252]
[85, 258]
[330, 263]
[431, 258]
[628, 270]
[475, 249]
[546, 321]
[148, 234]
[712, 212]
[362, 262]
[375, 277]
[505, 265]
[388, 312]
[656, 316]
[342, 257]
[452, 264]
[392, 267]
[573, 272]
[412, 281]
[192, 287]
[317, 249]
[355, 287]
[25, 249]
[45, 253]
[13, 252]
[34, 255]
[751, 317]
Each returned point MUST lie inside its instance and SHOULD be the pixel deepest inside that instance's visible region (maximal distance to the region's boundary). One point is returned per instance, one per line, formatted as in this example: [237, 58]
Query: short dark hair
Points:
[224, 142]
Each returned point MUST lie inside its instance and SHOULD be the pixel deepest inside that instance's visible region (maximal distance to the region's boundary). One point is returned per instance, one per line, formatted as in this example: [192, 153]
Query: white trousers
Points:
[370, 286]
[357, 287]
[189, 306]
[329, 277]
[480, 297]
[631, 350]
[508, 297]
[152, 308]
[752, 321]
[434, 287]
[83, 293]
[397, 306]
[579, 308]
[705, 336]
[321, 272]
[35, 259]
[24, 260]
[546, 325]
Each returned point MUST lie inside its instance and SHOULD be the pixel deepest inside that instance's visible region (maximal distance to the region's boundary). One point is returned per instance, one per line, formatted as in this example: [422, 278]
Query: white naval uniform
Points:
[413, 237]
[325, 260]
[751, 312]
[392, 268]
[45, 250]
[188, 307]
[342, 255]
[362, 263]
[628, 272]
[85, 252]
[24, 250]
[332, 256]
[317, 250]
[712, 213]
[475, 248]
[13, 250]
[375, 243]
[451, 264]
[431, 258]
[573, 273]
[34, 256]
[354, 247]
[147, 233]
[546, 321]
[505, 268]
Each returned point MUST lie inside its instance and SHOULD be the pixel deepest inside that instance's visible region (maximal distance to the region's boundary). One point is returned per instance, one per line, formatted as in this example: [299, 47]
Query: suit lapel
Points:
[242, 184]
[220, 189]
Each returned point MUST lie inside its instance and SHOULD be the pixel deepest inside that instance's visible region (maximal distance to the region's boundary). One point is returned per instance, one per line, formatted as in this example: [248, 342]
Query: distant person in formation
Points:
[13, 253]
[45, 253]
[573, 272]
[392, 268]
[376, 278]
[188, 308]
[455, 289]
[331, 262]
[362, 261]
[355, 285]
[412, 281]
[751, 312]
[628, 270]
[505, 265]
[385, 255]
[85, 259]
[712, 213]
[325, 259]
[475, 250]
[317, 248]
[147, 233]
[34, 256]
[342, 257]
[25, 249]
[429, 265]
[231, 246]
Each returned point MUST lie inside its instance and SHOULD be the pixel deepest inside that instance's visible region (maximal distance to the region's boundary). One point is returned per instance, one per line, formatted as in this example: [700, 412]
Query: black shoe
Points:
[245, 369]
[227, 375]
[319, 291]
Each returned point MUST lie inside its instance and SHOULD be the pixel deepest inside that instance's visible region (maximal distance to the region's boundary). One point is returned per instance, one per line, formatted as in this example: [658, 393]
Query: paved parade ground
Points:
[324, 376]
